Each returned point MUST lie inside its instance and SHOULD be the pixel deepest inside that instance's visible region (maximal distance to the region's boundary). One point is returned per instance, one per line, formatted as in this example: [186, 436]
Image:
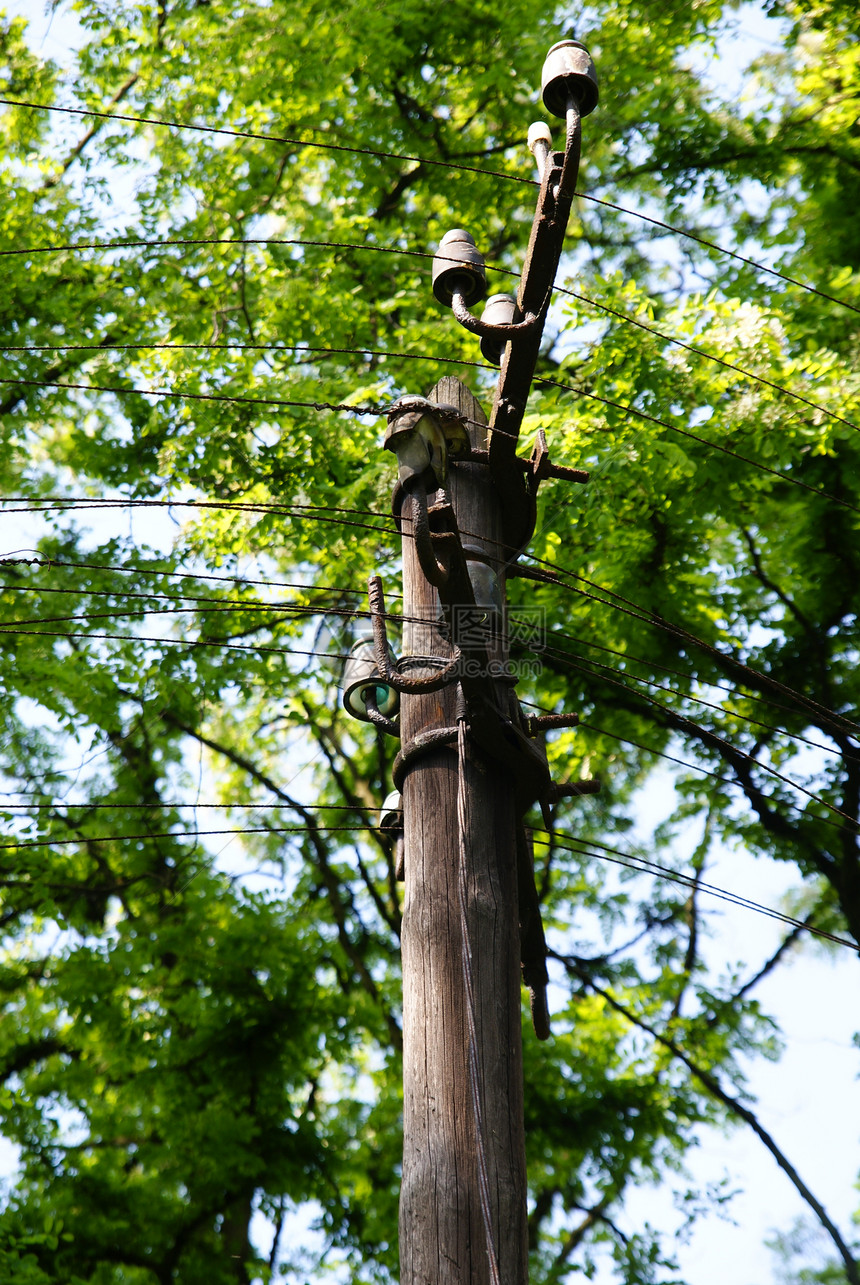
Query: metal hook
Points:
[398, 681]
[487, 329]
[378, 719]
[437, 572]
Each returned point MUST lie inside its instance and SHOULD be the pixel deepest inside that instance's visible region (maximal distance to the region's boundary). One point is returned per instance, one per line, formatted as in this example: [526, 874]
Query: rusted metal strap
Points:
[422, 744]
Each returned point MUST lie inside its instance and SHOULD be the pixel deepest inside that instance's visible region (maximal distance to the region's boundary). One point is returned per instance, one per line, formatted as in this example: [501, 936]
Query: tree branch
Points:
[713, 1086]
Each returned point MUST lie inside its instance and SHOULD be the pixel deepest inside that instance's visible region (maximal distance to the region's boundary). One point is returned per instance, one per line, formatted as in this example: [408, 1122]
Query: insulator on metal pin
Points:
[540, 144]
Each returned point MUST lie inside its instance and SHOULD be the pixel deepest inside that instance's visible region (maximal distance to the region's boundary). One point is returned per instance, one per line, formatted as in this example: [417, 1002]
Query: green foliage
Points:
[200, 973]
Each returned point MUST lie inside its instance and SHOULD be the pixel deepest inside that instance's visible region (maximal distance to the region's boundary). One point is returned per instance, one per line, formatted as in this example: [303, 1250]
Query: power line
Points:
[630, 608]
[643, 866]
[189, 834]
[721, 249]
[587, 668]
[700, 352]
[137, 570]
[377, 249]
[438, 164]
[88, 806]
[171, 642]
[297, 609]
[148, 243]
[374, 409]
[323, 350]
[269, 138]
[704, 441]
[561, 654]
[756, 697]
[379, 410]
[42, 504]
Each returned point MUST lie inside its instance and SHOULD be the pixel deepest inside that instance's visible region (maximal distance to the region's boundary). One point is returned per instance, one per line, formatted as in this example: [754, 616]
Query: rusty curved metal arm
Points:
[487, 328]
[377, 717]
[437, 572]
[387, 673]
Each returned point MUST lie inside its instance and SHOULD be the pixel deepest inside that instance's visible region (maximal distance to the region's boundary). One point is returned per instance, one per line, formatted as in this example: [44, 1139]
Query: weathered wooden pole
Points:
[442, 1234]
[463, 1196]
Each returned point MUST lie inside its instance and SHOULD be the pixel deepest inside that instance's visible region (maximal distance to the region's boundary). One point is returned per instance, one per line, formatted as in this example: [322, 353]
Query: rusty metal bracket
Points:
[532, 938]
[424, 743]
[539, 466]
[487, 329]
[558, 184]
[572, 789]
[387, 673]
[379, 719]
[538, 723]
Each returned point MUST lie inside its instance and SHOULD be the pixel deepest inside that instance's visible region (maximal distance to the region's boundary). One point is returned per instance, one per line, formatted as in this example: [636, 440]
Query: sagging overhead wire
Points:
[16, 630]
[11, 630]
[288, 508]
[756, 678]
[378, 249]
[377, 410]
[373, 409]
[703, 441]
[569, 843]
[322, 351]
[435, 163]
[603, 852]
[824, 718]
[708, 735]
[173, 834]
[267, 138]
[135, 569]
[576, 662]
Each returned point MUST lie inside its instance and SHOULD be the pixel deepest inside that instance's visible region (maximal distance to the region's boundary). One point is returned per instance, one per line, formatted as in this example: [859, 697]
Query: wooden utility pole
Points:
[469, 764]
[442, 1236]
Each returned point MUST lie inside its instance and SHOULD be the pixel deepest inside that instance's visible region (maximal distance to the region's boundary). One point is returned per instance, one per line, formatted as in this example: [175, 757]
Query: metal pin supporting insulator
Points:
[540, 144]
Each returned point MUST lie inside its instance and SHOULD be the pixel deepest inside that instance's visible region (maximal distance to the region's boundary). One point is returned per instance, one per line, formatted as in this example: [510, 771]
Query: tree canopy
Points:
[217, 225]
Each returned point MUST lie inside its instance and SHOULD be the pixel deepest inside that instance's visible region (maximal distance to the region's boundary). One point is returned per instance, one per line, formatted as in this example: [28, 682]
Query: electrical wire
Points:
[586, 666]
[361, 246]
[627, 607]
[643, 866]
[137, 570]
[696, 729]
[88, 806]
[430, 161]
[704, 441]
[700, 352]
[379, 410]
[184, 834]
[721, 249]
[756, 697]
[374, 409]
[171, 642]
[559, 653]
[407, 356]
[269, 138]
[43, 504]
[216, 604]
[568, 843]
